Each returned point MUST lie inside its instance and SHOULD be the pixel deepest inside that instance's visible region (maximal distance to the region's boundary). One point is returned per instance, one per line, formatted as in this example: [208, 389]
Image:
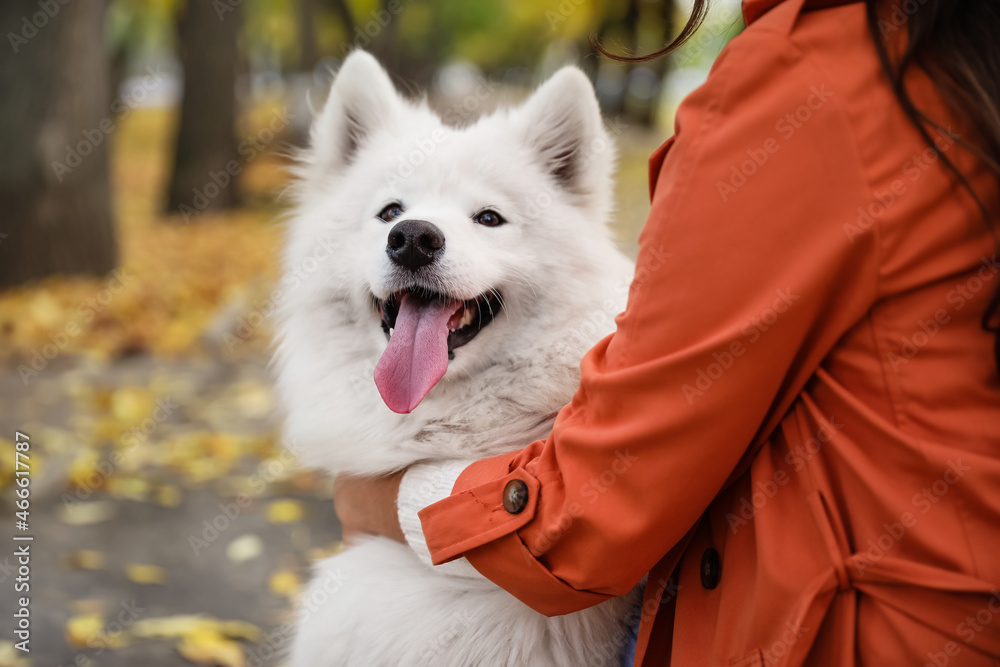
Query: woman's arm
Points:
[367, 506]
[754, 206]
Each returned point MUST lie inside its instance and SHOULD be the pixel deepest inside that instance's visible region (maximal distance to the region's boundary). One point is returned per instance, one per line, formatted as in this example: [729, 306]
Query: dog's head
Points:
[458, 244]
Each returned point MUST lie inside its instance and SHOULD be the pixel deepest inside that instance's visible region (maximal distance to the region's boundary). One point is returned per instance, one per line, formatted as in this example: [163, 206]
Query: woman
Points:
[796, 428]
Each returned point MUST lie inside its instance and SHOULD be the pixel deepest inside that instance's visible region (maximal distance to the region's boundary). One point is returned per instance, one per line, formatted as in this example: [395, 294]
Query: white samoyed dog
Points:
[442, 285]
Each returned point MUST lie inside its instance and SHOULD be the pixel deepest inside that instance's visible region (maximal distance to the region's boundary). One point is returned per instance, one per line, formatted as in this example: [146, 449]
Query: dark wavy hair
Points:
[956, 43]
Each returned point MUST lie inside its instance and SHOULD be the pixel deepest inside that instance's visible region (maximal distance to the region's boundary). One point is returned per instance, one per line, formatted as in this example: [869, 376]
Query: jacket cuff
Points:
[476, 501]
[423, 484]
[474, 522]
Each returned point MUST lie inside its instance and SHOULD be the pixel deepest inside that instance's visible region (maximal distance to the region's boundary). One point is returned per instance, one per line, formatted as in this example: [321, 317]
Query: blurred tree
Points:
[343, 12]
[203, 176]
[54, 193]
[309, 55]
[635, 27]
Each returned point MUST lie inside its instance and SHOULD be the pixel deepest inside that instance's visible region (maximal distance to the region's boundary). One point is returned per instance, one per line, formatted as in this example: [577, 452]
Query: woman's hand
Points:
[367, 506]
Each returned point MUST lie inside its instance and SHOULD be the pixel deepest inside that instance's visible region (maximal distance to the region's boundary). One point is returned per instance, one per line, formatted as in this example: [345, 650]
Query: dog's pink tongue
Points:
[417, 355]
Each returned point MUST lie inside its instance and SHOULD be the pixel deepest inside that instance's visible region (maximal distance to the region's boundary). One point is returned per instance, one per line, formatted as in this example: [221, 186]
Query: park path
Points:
[121, 554]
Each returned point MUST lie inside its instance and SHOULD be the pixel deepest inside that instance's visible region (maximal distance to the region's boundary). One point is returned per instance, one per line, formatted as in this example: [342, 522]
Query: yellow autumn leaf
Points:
[84, 629]
[244, 548]
[132, 405]
[10, 656]
[284, 511]
[84, 472]
[84, 560]
[88, 513]
[145, 574]
[284, 583]
[168, 495]
[167, 627]
[6, 462]
[253, 398]
[182, 625]
[131, 488]
[240, 630]
[206, 646]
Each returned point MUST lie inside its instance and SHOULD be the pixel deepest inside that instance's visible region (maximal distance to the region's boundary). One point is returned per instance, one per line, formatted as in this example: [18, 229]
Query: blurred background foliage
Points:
[144, 147]
[153, 144]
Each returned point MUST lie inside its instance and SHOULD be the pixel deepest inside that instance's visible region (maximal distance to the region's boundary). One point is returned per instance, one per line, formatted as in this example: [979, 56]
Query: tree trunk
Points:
[345, 15]
[309, 52]
[55, 200]
[206, 161]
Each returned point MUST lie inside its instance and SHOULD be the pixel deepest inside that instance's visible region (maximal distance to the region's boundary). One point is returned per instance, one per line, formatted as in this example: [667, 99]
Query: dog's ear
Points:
[562, 123]
[362, 101]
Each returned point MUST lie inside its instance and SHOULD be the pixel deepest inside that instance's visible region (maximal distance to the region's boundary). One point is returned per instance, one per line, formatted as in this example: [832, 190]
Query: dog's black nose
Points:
[414, 243]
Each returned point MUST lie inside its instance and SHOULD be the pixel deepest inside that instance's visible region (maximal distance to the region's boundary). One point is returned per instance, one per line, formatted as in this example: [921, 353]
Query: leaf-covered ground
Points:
[170, 529]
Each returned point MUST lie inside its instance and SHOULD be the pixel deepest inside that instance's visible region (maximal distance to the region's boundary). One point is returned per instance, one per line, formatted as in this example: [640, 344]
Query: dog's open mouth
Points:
[424, 329]
[463, 325]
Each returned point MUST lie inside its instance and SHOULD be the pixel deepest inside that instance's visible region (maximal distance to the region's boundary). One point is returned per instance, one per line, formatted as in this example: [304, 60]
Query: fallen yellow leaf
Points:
[168, 495]
[145, 574]
[84, 472]
[85, 629]
[85, 514]
[284, 511]
[209, 647]
[240, 630]
[131, 405]
[244, 548]
[84, 560]
[131, 488]
[284, 583]
[10, 656]
[185, 624]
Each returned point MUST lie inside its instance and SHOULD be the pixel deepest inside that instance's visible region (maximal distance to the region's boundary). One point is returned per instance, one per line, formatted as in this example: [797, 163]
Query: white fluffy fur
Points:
[547, 168]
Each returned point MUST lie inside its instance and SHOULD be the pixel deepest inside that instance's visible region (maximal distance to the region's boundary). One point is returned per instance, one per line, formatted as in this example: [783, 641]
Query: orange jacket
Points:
[796, 428]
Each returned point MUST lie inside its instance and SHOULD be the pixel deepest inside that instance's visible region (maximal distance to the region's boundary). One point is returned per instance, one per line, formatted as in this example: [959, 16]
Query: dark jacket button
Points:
[515, 496]
[711, 569]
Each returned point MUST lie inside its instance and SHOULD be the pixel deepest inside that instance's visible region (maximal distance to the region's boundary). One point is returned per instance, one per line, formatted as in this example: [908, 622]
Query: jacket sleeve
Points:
[749, 270]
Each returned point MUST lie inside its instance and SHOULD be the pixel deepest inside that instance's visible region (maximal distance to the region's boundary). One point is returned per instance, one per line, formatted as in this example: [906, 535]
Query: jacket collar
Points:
[754, 9]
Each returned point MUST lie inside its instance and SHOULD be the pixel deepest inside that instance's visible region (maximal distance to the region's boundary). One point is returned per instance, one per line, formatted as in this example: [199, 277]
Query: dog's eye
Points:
[391, 212]
[489, 218]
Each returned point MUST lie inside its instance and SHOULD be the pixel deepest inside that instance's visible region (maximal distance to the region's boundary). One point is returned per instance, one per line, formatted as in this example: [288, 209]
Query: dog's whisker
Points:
[525, 280]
